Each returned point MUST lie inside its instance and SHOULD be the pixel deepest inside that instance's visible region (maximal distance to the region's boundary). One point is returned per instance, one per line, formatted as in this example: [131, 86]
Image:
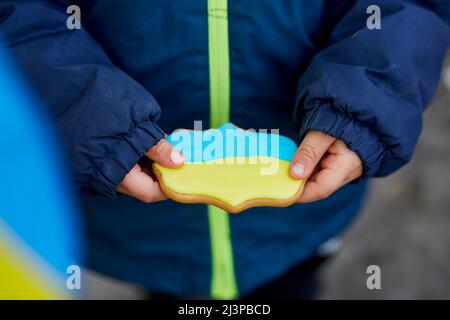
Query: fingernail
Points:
[298, 170]
[177, 157]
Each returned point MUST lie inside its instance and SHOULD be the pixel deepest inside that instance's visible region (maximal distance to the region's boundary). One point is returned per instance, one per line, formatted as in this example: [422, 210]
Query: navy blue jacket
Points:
[140, 67]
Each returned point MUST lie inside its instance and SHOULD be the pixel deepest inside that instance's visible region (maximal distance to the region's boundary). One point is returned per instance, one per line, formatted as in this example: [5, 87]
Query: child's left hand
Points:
[327, 163]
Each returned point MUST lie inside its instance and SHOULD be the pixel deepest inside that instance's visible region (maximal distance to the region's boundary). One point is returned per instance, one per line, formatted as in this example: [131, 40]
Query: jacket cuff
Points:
[122, 156]
[357, 136]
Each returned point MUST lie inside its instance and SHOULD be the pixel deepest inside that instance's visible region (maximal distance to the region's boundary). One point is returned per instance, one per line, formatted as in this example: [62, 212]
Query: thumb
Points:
[309, 153]
[165, 154]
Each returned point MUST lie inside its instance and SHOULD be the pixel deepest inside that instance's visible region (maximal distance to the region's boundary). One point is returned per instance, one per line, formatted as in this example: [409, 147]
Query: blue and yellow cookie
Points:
[231, 168]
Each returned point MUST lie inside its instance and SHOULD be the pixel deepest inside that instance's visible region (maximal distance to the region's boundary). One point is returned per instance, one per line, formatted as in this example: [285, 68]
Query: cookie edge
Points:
[187, 198]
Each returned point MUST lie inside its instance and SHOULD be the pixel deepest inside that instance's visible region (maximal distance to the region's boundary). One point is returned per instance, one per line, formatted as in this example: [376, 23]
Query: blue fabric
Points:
[106, 118]
[37, 204]
[295, 65]
[369, 88]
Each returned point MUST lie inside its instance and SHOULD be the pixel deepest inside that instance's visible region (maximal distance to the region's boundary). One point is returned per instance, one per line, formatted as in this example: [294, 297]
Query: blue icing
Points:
[231, 141]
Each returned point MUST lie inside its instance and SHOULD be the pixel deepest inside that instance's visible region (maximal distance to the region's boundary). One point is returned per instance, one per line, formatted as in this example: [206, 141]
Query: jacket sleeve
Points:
[370, 87]
[107, 119]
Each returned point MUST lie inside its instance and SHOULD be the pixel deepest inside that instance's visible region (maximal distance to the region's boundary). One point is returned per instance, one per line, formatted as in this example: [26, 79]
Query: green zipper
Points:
[223, 280]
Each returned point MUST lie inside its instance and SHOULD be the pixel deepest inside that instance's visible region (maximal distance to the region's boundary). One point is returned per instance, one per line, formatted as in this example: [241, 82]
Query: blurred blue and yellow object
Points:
[39, 226]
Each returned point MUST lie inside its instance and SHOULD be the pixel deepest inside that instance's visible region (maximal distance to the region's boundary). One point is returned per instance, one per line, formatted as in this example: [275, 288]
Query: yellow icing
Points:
[245, 179]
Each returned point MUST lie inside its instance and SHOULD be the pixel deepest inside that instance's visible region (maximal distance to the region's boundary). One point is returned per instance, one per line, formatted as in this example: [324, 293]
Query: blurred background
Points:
[404, 227]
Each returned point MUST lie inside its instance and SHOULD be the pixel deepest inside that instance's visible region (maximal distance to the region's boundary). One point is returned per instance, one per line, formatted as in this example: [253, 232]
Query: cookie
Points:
[231, 168]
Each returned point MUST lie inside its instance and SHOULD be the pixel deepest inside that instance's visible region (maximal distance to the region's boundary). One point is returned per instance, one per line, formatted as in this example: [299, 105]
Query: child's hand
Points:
[327, 163]
[137, 183]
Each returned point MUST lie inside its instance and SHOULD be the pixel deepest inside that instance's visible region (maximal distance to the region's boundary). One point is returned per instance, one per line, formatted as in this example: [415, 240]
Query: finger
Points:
[341, 156]
[355, 174]
[141, 186]
[309, 153]
[325, 183]
[165, 154]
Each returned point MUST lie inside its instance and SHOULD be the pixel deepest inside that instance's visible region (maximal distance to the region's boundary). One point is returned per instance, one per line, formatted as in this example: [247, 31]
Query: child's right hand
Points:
[139, 184]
